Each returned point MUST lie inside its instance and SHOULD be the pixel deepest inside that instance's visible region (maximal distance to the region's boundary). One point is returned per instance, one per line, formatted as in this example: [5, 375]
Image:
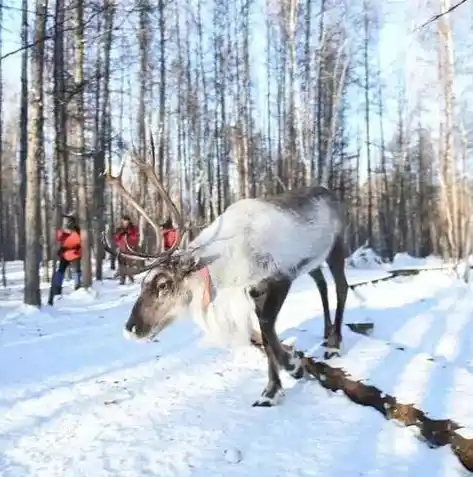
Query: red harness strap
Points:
[206, 295]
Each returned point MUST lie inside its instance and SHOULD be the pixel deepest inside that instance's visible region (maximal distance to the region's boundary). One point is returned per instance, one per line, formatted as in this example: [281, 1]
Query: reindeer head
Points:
[163, 290]
[164, 294]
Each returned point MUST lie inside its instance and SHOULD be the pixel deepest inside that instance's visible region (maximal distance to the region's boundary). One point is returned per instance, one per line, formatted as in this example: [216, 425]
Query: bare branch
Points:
[440, 15]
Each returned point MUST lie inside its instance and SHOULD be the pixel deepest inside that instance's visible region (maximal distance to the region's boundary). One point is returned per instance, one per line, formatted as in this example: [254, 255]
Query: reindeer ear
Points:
[189, 263]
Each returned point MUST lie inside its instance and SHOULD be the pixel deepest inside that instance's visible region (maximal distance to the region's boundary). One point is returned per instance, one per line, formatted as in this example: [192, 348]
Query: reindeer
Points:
[234, 277]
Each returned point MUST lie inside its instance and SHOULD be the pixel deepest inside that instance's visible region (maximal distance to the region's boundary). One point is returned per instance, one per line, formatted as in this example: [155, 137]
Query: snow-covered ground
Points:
[366, 258]
[77, 399]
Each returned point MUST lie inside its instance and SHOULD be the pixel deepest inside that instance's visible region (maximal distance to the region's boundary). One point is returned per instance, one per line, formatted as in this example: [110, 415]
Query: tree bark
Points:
[2, 223]
[23, 125]
[35, 159]
[79, 133]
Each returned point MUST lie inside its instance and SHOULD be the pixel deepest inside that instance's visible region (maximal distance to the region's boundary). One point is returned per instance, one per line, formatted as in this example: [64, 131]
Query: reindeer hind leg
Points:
[318, 276]
[336, 263]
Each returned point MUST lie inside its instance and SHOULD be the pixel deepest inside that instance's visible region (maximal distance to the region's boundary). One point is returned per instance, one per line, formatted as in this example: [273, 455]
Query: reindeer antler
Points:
[117, 182]
[148, 170]
[150, 174]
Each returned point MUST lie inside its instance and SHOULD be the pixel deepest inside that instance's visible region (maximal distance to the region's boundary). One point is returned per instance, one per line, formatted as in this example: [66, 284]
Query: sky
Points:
[11, 41]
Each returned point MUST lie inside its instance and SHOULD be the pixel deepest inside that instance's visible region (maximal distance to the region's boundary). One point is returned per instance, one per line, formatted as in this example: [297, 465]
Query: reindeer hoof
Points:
[332, 346]
[266, 400]
[299, 373]
[331, 353]
[263, 402]
[296, 365]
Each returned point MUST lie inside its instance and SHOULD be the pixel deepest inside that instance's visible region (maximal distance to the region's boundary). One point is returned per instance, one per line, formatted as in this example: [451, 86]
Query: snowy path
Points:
[76, 399]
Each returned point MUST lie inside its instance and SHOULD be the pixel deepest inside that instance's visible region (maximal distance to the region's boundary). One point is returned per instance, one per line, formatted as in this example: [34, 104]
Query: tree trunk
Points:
[23, 125]
[367, 123]
[35, 158]
[143, 40]
[2, 222]
[104, 134]
[79, 134]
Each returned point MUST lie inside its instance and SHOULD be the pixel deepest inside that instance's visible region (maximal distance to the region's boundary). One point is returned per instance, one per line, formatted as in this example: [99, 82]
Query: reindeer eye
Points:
[164, 285]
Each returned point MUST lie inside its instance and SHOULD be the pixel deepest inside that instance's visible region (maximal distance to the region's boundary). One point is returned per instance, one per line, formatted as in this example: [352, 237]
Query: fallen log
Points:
[371, 280]
[393, 273]
[435, 432]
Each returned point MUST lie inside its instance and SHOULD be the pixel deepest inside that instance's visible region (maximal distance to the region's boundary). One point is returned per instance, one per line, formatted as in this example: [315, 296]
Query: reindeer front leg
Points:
[269, 297]
[273, 391]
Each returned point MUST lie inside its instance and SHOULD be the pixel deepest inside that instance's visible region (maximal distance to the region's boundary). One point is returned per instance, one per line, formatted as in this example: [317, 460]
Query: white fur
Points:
[253, 227]
[248, 229]
[229, 319]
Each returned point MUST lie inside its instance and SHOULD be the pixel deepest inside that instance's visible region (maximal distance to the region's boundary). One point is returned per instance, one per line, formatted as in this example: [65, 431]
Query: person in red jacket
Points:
[127, 233]
[169, 233]
[69, 254]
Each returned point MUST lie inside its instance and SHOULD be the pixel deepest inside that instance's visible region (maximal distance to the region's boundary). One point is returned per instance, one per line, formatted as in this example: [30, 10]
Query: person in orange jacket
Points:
[169, 233]
[127, 233]
[69, 253]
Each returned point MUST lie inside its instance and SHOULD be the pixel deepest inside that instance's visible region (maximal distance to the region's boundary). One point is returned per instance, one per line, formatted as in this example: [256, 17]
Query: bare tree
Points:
[23, 122]
[35, 154]
[80, 144]
[2, 222]
[103, 133]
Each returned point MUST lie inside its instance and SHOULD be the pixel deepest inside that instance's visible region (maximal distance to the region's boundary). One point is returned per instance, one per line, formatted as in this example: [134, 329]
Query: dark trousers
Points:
[122, 265]
[58, 277]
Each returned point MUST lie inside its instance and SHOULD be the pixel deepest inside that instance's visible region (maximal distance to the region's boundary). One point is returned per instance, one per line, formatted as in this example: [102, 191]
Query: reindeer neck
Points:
[200, 287]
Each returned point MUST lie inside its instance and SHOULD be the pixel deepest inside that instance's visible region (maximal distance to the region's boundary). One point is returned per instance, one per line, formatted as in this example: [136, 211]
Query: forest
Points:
[241, 98]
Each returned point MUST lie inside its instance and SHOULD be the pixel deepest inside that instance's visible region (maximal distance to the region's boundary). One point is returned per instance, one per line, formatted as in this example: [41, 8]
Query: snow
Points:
[404, 260]
[366, 258]
[77, 399]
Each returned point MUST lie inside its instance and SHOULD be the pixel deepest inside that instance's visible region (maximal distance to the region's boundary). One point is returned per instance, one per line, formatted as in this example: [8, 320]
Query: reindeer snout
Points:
[135, 329]
[129, 332]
